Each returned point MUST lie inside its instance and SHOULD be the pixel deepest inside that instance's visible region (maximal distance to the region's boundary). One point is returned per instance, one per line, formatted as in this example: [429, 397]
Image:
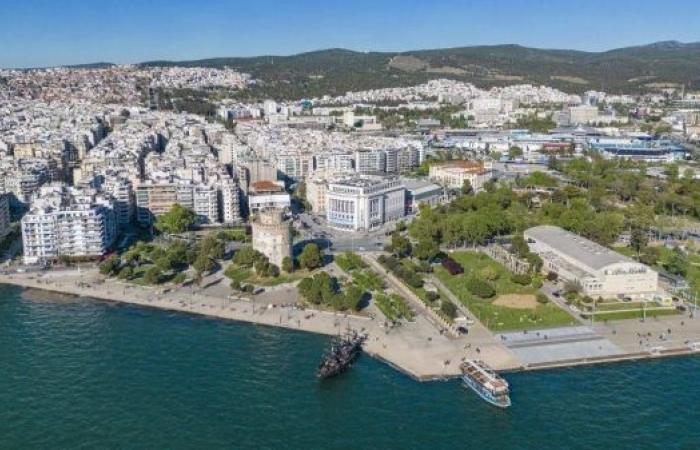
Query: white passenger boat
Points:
[486, 383]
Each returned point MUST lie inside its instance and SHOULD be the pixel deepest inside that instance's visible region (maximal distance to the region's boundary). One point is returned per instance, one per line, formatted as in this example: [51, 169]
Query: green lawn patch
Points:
[499, 318]
[394, 307]
[630, 314]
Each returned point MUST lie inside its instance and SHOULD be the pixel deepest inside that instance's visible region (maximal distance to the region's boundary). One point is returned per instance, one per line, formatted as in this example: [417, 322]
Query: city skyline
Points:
[41, 34]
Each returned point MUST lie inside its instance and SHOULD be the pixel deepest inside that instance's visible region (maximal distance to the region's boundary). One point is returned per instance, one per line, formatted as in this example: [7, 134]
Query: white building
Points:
[370, 161]
[280, 200]
[67, 228]
[364, 203]
[452, 174]
[601, 272]
[205, 204]
[230, 201]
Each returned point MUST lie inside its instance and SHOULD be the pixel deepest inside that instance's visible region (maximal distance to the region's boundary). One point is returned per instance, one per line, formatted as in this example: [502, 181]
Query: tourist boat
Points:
[485, 382]
[341, 355]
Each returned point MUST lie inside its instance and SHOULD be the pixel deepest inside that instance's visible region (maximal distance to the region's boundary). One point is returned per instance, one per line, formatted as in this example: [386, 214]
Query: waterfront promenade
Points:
[419, 348]
[416, 348]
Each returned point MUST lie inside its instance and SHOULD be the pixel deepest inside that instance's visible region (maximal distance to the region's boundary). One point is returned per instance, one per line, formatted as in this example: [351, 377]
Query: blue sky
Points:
[35, 33]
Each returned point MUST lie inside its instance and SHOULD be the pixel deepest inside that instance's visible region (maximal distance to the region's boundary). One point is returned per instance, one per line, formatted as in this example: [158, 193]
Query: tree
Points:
[426, 250]
[212, 246]
[246, 256]
[638, 239]
[109, 266]
[178, 220]
[515, 152]
[535, 261]
[677, 264]
[353, 297]
[400, 244]
[288, 264]
[649, 256]
[126, 273]
[448, 308]
[203, 264]
[311, 257]
[519, 246]
[152, 275]
[572, 287]
[467, 187]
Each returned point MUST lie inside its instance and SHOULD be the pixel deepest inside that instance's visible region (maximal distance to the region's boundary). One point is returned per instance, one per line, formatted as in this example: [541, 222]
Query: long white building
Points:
[601, 272]
[65, 225]
[364, 203]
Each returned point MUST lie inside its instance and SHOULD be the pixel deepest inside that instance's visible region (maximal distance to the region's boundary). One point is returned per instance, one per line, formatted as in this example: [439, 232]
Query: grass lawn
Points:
[393, 306]
[631, 314]
[247, 275]
[500, 318]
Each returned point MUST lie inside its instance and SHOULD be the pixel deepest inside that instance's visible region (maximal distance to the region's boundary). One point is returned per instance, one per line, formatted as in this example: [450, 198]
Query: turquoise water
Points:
[83, 374]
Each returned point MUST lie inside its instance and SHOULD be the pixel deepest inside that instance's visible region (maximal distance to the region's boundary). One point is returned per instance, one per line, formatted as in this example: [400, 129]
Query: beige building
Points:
[316, 190]
[601, 272]
[452, 174]
[272, 235]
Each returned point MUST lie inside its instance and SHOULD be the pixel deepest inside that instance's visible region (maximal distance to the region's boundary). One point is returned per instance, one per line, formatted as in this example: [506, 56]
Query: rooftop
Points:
[589, 253]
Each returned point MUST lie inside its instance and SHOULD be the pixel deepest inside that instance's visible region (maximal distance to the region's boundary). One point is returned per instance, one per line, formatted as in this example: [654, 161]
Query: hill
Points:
[335, 71]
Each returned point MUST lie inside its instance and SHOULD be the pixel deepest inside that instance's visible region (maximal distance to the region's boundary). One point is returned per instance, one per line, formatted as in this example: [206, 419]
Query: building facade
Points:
[364, 203]
[453, 174]
[599, 271]
[75, 231]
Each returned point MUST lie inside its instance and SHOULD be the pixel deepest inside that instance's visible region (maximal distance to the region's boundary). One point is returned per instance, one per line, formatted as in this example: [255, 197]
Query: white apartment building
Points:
[230, 201]
[123, 200]
[601, 272]
[205, 203]
[364, 203]
[370, 161]
[274, 200]
[72, 230]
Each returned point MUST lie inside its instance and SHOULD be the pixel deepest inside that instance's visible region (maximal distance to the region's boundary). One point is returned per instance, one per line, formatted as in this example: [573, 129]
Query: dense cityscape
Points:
[450, 229]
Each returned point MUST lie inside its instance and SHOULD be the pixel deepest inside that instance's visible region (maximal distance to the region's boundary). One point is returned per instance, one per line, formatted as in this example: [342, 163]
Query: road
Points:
[339, 240]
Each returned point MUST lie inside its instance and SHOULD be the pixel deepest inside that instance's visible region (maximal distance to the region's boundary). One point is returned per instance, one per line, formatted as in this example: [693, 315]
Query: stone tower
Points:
[272, 235]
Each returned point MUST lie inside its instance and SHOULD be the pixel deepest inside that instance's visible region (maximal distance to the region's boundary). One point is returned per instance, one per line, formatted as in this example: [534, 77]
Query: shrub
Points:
[288, 264]
[480, 288]
[489, 274]
[552, 276]
[109, 266]
[521, 279]
[449, 309]
[432, 297]
[542, 299]
[179, 278]
[126, 273]
[536, 283]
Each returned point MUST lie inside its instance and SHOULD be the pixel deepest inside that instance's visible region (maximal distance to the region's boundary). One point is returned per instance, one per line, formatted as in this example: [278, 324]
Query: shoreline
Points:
[432, 359]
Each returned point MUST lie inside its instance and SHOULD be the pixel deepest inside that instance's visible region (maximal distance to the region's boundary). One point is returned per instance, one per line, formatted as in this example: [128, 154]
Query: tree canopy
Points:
[178, 220]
